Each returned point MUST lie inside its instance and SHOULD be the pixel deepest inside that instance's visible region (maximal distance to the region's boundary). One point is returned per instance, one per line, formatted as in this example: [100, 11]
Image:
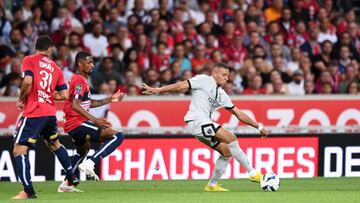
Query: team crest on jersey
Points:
[78, 88]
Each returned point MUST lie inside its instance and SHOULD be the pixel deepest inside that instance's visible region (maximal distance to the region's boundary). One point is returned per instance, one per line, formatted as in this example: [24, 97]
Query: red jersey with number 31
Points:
[78, 89]
[47, 78]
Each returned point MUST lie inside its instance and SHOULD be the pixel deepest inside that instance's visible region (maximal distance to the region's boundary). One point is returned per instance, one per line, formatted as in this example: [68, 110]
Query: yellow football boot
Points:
[256, 178]
[215, 188]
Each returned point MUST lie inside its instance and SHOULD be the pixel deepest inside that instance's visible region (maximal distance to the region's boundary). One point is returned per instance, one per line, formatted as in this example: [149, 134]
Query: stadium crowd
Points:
[273, 47]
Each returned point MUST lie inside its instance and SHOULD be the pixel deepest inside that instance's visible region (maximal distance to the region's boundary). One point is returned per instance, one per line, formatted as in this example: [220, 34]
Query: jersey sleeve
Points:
[60, 85]
[225, 100]
[27, 67]
[79, 88]
[197, 82]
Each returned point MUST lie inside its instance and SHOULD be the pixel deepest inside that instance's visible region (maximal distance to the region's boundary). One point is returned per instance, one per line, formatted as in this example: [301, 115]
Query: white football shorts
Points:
[204, 131]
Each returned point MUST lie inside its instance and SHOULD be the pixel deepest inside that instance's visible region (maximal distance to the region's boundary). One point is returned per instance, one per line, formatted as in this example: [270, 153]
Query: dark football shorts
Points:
[87, 131]
[29, 130]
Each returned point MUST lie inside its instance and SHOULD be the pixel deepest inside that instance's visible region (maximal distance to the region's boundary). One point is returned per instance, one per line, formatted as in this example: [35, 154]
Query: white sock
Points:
[219, 170]
[240, 156]
[90, 162]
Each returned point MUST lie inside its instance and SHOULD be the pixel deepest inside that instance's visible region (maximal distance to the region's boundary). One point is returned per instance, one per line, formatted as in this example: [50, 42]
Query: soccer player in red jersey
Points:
[82, 126]
[42, 84]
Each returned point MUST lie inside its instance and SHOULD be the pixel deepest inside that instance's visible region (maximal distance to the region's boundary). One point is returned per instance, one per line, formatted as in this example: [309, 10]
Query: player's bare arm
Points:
[24, 91]
[100, 122]
[61, 95]
[177, 87]
[116, 97]
[248, 121]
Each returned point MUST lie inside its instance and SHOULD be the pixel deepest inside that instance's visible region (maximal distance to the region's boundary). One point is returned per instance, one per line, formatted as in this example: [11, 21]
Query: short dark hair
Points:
[80, 56]
[221, 65]
[43, 43]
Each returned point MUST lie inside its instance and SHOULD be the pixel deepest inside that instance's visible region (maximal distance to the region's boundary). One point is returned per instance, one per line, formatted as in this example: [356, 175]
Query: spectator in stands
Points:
[199, 60]
[152, 78]
[132, 91]
[134, 67]
[354, 35]
[165, 77]
[287, 26]
[345, 59]
[143, 49]
[94, 17]
[112, 24]
[39, 26]
[229, 89]
[255, 86]
[296, 87]
[12, 87]
[321, 61]
[327, 31]
[345, 40]
[153, 22]
[29, 37]
[117, 55]
[273, 12]
[225, 39]
[312, 46]
[350, 17]
[66, 20]
[179, 55]
[285, 50]
[276, 85]
[138, 10]
[309, 87]
[124, 38]
[5, 26]
[236, 53]
[164, 10]
[18, 16]
[294, 63]
[105, 73]
[278, 64]
[323, 82]
[350, 76]
[96, 42]
[212, 19]
[16, 43]
[235, 79]
[353, 88]
[299, 12]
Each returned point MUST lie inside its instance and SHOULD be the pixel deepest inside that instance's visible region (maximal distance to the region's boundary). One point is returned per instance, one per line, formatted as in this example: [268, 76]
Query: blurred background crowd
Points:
[274, 47]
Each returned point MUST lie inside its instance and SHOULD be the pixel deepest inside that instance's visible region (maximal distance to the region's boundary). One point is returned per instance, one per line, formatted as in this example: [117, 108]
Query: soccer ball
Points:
[270, 182]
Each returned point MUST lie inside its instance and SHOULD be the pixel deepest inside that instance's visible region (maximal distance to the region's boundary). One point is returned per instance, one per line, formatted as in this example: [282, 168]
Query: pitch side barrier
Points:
[164, 114]
[176, 157]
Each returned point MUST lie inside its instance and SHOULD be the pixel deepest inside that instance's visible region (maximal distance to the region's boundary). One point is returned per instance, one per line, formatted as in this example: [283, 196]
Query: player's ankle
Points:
[252, 173]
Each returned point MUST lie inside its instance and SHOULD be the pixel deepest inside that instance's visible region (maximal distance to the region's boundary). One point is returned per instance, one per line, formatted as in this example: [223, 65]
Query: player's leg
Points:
[82, 143]
[111, 140]
[221, 163]
[24, 137]
[79, 156]
[204, 131]
[228, 138]
[50, 135]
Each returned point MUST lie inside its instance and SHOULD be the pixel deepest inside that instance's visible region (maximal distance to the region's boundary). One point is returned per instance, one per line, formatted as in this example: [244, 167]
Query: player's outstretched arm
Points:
[100, 122]
[116, 97]
[247, 120]
[177, 87]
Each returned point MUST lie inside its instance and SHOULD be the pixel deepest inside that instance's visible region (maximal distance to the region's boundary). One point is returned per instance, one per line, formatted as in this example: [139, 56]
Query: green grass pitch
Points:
[292, 190]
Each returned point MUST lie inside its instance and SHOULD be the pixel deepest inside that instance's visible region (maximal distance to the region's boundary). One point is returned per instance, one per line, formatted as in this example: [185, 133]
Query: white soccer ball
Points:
[270, 182]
